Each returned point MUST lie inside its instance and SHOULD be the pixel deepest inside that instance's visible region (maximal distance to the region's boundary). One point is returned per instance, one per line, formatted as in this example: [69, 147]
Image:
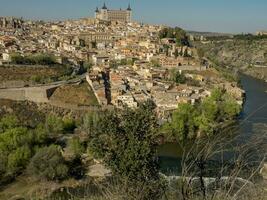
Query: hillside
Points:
[247, 55]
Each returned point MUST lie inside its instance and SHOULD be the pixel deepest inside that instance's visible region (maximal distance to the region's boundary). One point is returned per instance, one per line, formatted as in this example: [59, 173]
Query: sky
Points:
[229, 16]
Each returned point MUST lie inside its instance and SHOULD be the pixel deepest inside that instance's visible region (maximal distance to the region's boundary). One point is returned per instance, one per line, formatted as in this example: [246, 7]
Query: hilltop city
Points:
[127, 62]
[105, 107]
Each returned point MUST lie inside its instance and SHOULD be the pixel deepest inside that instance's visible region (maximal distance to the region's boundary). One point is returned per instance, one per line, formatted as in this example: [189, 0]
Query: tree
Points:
[189, 122]
[182, 125]
[125, 140]
[177, 77]
[176, 53]
[48, 163]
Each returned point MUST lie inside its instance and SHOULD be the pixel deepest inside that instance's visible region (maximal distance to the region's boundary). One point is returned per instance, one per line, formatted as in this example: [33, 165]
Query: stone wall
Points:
[34, 94]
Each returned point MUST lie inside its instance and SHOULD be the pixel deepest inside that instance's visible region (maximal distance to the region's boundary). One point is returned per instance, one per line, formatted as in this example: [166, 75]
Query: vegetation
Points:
[240, 53]
[155, 63]
[177, 77]
[249, 37]
[176, 33]
[48, 164]
[76, 146]
[36, 59]
[127, 147]
[18, 144]
[204, 119]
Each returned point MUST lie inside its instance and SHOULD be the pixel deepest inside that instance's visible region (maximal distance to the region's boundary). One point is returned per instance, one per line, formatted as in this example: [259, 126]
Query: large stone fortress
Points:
[114, 15]
[10, 22]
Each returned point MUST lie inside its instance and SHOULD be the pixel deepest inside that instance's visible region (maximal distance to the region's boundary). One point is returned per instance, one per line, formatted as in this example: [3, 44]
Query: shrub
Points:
[76, 147]
[69, 125]
[53, 125]
[48, 163]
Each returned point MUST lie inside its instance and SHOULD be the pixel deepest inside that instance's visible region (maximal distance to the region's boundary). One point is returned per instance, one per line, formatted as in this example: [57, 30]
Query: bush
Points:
[53, 125]
[69, 125]
[48, 163]
[36, 59]
[76, 147]
[36, 78]
[8, 122]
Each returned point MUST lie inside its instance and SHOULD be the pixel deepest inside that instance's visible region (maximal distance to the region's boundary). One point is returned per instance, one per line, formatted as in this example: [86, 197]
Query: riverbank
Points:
[251, 123]
[258, 73]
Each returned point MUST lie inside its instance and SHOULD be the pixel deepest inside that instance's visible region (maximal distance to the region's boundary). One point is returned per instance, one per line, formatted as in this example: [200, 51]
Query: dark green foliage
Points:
[15, 149]
[177, 33]
[37, 59]
[176, 53]
[76, 146]
[48, 163]
[8, 122]
[203, 119]
[68, 125]
[177, 77]
[249, 37]
[125, 140]
[53, 125]
[18, 144]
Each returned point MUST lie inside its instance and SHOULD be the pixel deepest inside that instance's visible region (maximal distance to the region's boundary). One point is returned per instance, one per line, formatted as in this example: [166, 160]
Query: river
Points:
[252, 121]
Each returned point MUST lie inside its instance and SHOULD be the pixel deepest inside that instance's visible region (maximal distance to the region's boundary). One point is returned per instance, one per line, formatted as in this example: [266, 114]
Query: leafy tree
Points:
[182, 125]
[125, 140]
[178, 77]
[48, 163]
[176, 53]
[202, 119]
[175, 33]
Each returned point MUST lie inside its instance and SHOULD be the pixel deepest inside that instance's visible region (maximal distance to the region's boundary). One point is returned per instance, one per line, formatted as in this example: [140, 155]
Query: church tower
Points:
[129, 13]
[104, 12]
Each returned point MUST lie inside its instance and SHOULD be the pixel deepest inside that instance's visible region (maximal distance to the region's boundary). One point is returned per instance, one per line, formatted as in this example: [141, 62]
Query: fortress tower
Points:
[114, 15]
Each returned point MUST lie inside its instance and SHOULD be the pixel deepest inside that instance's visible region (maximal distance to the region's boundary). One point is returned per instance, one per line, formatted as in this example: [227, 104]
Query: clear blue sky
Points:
[204, 15]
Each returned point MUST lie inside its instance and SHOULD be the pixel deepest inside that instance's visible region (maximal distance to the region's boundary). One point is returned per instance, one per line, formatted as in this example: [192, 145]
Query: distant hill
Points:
[209, 34]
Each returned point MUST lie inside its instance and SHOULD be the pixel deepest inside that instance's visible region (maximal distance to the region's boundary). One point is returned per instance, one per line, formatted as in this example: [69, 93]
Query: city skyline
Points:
[213, 16]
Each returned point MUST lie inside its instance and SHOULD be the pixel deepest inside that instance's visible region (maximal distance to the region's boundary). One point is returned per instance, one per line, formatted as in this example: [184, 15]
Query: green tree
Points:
[125, 140]
[182, 125]
[176, 53]
[177, 77]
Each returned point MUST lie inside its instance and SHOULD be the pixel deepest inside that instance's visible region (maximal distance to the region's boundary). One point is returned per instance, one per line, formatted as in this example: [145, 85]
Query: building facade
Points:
[114, 15]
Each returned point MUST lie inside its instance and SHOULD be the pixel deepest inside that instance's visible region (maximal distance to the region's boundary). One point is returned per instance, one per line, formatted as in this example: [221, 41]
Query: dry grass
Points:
[75, 95]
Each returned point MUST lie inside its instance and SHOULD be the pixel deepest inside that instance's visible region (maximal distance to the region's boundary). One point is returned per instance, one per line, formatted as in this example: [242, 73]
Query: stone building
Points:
[114, 15]
[11, 22]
